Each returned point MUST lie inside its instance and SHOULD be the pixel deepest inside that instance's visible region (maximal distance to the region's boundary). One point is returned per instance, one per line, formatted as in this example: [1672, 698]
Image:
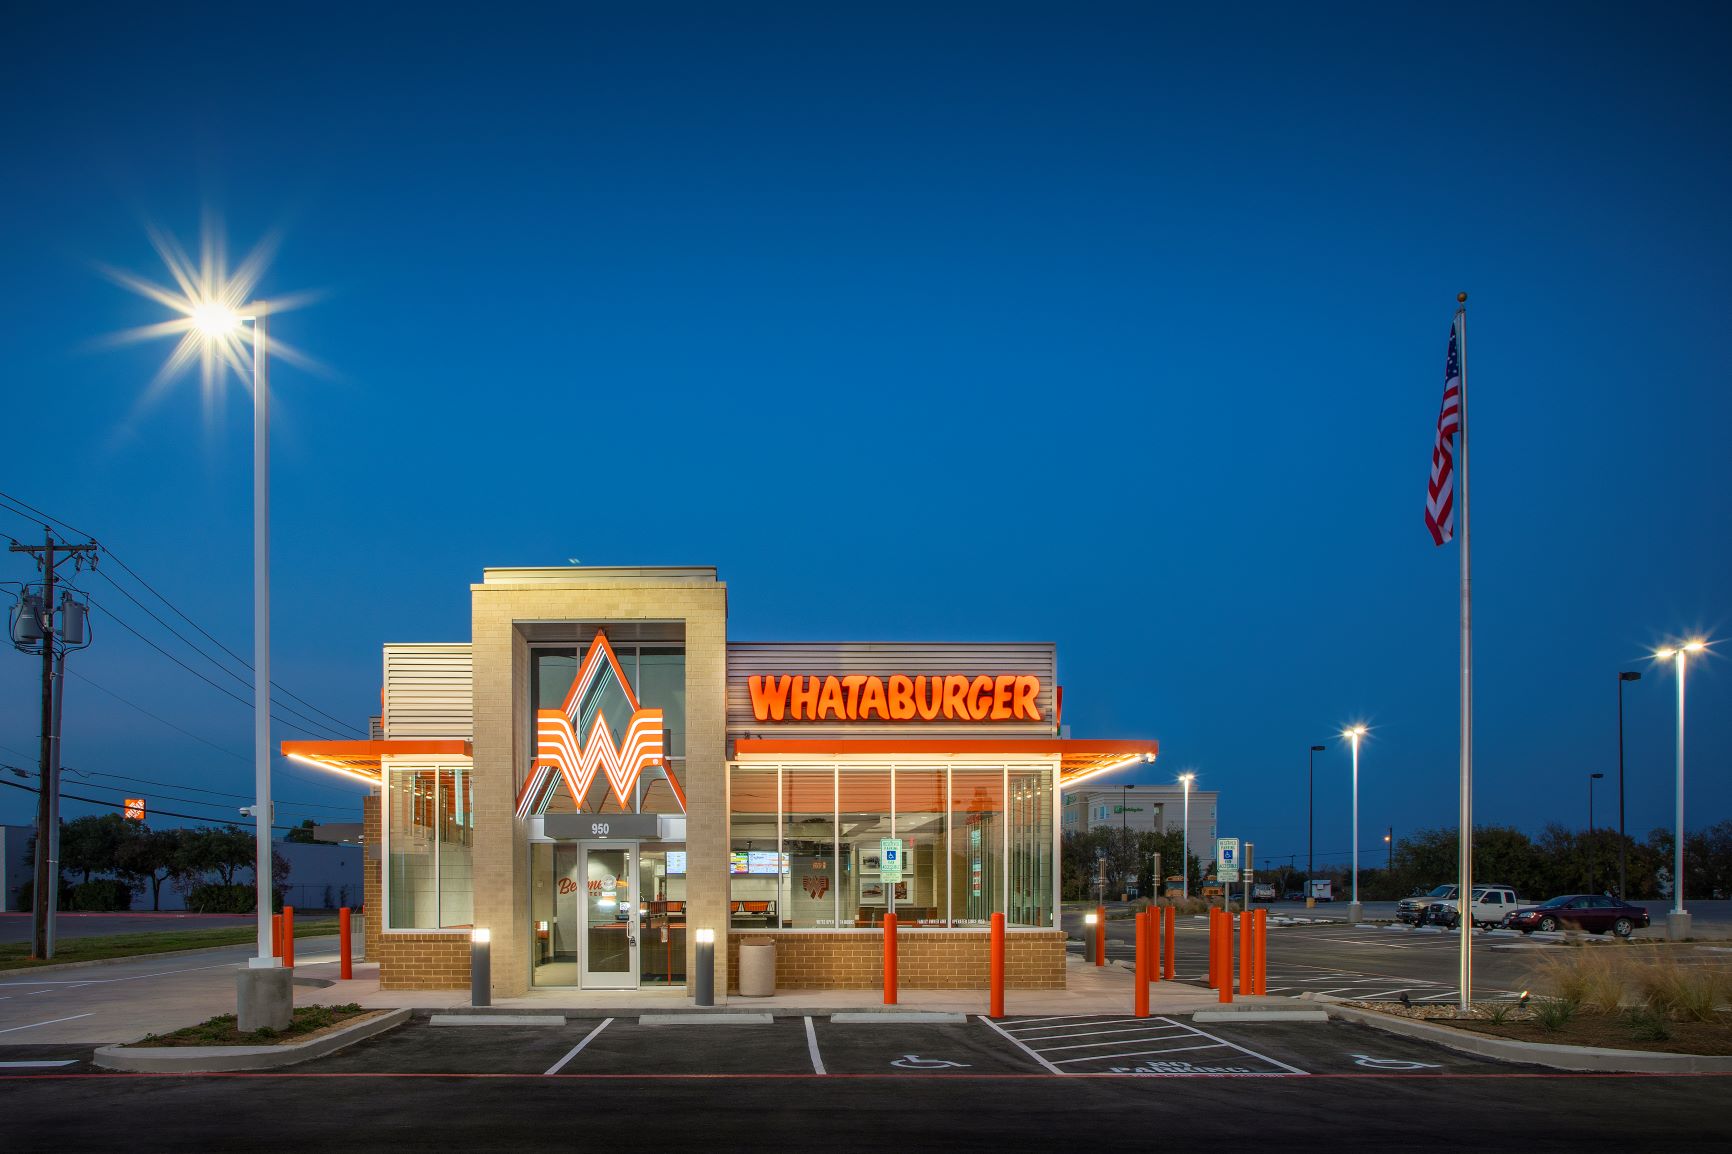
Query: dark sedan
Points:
[1595, 913]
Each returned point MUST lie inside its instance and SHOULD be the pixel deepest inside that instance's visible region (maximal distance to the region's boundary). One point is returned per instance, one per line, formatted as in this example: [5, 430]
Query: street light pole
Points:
[1310, 823]
[1592, 777]
[1677, 921]
[1623, 875]
[1353, 908]
[262, 637]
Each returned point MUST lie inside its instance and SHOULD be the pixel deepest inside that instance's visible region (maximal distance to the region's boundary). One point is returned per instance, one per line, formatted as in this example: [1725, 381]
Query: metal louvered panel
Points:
[881, 659]
[429, 691]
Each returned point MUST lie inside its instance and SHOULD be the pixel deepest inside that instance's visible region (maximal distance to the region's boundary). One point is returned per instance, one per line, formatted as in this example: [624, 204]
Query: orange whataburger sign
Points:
[859, 697]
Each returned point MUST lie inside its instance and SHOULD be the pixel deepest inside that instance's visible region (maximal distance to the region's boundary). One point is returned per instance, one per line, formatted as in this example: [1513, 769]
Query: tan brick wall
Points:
[502, 712]
[925, 960]
[372, 884]
[424, 961]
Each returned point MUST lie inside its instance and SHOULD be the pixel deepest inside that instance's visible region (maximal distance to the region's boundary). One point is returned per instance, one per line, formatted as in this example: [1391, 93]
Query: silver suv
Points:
[1414, 910]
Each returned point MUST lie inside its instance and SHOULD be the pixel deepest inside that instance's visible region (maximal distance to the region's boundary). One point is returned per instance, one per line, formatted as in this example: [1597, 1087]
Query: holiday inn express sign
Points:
[899, 697]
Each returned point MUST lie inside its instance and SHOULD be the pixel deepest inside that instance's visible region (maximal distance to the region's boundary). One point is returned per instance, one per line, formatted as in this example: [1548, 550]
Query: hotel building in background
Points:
[599, 771]
[1144, 809]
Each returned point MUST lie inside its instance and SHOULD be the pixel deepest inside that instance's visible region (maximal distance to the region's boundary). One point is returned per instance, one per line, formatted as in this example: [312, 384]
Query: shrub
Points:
[26, 892]
[1554, 1013]
[102, 894]
[1681, 991]
[221, 899]
[1646, 1025]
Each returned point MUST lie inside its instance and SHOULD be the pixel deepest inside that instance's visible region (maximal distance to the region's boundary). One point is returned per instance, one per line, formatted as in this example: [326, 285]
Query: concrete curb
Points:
[1260, 1016]
[1535, 1053]
[705, 1019]
[205, 1059]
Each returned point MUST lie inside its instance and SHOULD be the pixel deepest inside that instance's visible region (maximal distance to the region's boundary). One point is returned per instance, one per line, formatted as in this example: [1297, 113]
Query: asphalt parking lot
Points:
[972, 1047]
[1023, 1083]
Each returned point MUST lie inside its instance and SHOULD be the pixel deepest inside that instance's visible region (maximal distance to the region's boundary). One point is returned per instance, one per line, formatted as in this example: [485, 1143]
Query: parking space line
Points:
[812, 1047]
[1020, 1044]
[1113, 1042]
[1252, 1053]
[49, 1022]
[1094, 1033]
[578, 1049]
[1145, 1053]
[1102, 1022]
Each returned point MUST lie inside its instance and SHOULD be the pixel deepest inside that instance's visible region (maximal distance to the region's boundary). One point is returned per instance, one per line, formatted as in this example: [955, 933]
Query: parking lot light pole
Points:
[1354, 733]
[1623, 874]
[1310, 822]
[1677, 921]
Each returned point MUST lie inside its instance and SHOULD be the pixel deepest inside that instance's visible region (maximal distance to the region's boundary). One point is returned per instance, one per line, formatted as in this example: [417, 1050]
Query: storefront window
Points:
[754, 866]
[809, 840]
[1030, 847]
[920, 808]
[954, 823]
[429, 830]
[863, 799]
[976, 844]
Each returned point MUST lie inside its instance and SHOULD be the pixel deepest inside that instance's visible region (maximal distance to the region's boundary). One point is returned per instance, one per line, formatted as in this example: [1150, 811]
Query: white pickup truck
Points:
[1490, 904]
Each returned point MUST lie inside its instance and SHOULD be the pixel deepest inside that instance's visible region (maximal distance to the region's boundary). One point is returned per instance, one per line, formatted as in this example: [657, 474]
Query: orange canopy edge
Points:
[361, 759]
[1078, 758]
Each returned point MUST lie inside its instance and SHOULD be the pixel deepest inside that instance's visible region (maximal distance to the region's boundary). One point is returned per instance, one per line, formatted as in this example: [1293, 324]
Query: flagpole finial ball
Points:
[1460, 298]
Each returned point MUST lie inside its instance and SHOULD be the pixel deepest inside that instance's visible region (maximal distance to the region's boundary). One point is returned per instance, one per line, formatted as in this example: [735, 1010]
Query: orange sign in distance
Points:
[134, 810]
[859, 697]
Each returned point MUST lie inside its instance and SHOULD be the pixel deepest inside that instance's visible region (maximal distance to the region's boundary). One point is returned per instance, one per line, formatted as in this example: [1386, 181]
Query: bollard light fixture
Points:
[481, 935]
[480, 966]
[704, 979]
[706, 937]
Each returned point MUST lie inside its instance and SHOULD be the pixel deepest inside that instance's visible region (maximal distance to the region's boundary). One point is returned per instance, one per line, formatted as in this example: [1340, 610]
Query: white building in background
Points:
[1144, 809]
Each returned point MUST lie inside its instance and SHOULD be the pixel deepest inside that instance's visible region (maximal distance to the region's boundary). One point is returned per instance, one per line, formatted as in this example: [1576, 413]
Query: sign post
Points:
[1226, 864]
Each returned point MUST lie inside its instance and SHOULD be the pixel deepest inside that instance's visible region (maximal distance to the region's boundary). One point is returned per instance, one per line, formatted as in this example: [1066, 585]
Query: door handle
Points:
[631, 941]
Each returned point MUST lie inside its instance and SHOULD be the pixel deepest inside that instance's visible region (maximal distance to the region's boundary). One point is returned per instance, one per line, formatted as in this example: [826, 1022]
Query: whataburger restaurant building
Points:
[599, 773]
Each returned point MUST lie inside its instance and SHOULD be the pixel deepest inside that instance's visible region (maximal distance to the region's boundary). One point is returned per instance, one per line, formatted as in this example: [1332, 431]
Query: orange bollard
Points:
[1247, 953]
[1262, 951]
[1140, 1004]
[1224, 969]
[889, 959]
[276, 935]
[1214, 944]
[995, 969]
[1172, 932]
[289, 936]
[347, 969]
[1100, 935]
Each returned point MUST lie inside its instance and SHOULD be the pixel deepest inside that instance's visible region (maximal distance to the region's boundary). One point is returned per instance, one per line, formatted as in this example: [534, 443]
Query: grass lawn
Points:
[220, 1030]
[16, 955]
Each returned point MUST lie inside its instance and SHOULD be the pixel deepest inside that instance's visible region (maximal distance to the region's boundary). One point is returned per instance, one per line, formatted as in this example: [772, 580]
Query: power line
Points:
[19, 507]
[201, 789]
[243, 661]
[163, 720]
[120, 621]
[116, 805]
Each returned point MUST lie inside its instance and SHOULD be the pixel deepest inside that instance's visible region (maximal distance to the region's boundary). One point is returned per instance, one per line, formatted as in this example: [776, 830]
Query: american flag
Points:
[1440, 502]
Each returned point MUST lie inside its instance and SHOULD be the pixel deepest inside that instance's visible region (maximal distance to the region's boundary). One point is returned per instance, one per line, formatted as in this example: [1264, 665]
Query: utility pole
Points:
[37, 620]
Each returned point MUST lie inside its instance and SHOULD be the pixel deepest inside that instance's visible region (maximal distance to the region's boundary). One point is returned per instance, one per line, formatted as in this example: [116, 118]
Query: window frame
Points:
[434, 766]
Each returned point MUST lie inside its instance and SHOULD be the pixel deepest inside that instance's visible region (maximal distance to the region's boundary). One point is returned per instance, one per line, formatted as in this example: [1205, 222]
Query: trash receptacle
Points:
[757, 968]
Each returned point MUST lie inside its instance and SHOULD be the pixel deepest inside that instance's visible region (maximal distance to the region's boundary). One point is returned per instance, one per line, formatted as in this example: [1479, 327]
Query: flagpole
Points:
[1464, 896]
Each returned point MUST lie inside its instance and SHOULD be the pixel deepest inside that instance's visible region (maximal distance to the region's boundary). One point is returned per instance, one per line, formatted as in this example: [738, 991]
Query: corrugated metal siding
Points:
[881, 658]
[429, 691]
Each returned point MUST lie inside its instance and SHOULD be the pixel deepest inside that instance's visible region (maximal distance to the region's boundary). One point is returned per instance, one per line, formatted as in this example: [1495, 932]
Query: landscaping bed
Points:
[308, 1022]
[1654, 999]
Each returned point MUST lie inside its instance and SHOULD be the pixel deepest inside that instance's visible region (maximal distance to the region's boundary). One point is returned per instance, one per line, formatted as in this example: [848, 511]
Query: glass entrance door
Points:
[610, 917]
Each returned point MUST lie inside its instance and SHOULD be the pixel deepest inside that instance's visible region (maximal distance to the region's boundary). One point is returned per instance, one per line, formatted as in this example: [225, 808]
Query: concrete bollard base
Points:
[1355, 913]
[264, 998]
[1677, 925]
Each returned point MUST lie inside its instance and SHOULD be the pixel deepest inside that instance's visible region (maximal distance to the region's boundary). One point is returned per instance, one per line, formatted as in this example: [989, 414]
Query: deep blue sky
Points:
[1114, 325]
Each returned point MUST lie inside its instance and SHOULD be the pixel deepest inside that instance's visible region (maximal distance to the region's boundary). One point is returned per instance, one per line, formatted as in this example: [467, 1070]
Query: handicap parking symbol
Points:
[916, 1062]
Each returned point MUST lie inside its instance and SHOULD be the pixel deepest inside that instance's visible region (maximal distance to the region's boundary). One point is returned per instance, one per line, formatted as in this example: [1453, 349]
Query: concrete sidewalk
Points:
[123, 999]
[1088, 990]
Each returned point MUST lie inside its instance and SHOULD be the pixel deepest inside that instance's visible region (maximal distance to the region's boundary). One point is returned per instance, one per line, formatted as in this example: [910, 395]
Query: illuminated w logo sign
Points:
[559, 756]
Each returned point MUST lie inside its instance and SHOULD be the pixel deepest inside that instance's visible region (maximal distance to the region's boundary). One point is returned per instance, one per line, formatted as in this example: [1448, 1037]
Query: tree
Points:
[154, 857]
[220, 850]
[92, 844]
